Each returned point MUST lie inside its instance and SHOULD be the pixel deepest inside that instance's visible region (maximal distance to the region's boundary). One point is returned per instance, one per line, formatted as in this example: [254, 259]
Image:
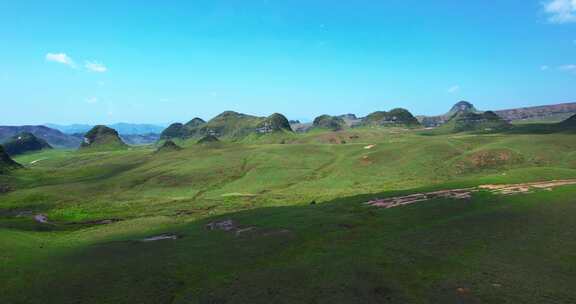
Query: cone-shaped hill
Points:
[102, 137]
[458, 108]
[229, 124]
[196, 122]
[395, 118]
[462, 107]
[175, 130]
[6, 162]
[23, 143]
[328, 122]
[168, 146]
[475, 122]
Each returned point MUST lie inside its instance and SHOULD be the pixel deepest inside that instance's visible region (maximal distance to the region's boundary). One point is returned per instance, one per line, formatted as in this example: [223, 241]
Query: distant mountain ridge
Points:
[122, 128]
[54, 137]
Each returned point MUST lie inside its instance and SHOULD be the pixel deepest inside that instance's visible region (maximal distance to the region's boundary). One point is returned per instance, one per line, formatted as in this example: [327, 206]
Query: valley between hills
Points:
[466, 207]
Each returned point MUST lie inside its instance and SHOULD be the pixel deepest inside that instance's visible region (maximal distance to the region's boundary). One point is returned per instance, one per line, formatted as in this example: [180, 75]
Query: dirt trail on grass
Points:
[466, 193]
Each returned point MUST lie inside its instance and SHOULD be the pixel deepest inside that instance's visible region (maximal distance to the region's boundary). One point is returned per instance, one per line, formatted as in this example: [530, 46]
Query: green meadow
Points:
[308, 235]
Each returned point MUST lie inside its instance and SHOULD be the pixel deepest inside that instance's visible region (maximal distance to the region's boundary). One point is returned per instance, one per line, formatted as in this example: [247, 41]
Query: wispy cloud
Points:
[92, 100]
[61, 58]
[544, 68]
[95, 66]
[568, 68]
[454, 89]
[560, 11]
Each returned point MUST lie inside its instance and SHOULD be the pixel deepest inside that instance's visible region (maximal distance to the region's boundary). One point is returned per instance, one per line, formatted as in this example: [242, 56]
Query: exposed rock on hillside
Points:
[329, 122]
[274, 123]
[102, 137]
[6, 162]
[394, 118]
[25, 142]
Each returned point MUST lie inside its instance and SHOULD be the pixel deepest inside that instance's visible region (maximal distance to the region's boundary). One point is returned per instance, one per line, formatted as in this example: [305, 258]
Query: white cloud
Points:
[95, 66]
[560, 11]
[92, 100]
[568, 68]
[61, 58]
[454, 89]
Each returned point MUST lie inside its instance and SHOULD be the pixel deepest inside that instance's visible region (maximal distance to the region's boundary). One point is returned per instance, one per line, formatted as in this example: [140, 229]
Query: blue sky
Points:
[165, 61]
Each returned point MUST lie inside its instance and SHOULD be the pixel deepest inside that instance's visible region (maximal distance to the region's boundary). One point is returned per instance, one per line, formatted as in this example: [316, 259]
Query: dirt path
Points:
[466, 193]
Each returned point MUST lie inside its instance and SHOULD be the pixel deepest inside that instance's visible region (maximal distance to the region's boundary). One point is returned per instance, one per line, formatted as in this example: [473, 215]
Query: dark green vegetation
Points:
[395, 118]
[100, 205]
[23, 143]
[6, 163]
[103, 138]
[569, 122]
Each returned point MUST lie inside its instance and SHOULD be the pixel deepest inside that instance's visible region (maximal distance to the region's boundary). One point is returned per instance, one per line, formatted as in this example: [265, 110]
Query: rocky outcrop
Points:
[25, 142]
[274, 123]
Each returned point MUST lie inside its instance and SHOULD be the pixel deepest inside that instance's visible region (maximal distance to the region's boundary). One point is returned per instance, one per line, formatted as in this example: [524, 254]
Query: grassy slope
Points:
[504, 249]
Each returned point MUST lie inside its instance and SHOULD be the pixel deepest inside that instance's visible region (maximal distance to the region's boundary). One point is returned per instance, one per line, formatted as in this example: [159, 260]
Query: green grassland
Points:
[489, 249]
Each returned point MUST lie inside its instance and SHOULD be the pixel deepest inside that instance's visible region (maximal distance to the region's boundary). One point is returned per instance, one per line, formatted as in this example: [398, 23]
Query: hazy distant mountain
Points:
[547, 113]
[140, 139]
[122, 128]
[556, 112]
[54, 137]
